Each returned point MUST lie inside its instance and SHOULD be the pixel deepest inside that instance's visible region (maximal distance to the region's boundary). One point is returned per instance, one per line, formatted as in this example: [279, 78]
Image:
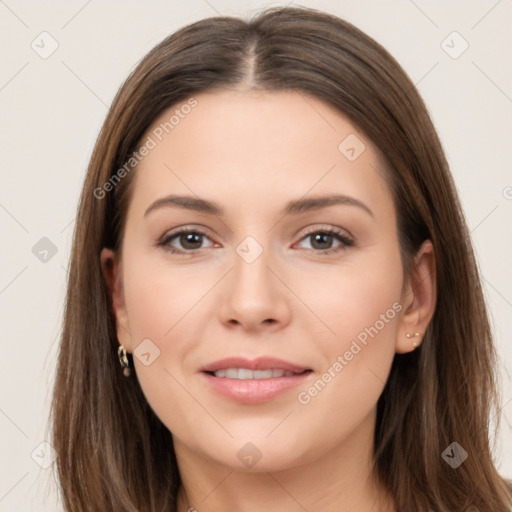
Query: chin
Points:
[250, 451]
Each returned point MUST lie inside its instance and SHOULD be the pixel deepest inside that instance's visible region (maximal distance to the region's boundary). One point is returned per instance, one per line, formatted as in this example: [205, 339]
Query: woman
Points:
[273, 300]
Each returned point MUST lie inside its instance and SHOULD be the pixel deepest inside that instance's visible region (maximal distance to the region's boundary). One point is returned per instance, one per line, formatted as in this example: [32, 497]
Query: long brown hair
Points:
[113, 452]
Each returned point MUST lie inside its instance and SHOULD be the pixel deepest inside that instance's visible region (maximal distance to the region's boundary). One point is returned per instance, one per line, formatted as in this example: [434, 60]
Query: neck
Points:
[339, 480]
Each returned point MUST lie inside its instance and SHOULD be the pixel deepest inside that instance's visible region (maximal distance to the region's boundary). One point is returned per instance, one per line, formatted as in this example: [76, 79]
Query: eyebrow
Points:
[292, 208]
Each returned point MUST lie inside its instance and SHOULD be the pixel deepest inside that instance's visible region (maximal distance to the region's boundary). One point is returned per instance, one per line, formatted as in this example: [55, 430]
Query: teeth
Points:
[246, 374]
[265, 374]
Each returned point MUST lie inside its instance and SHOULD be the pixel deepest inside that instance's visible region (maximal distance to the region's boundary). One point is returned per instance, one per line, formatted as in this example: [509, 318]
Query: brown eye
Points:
[191, 240]
[183, 241]
[322, 241]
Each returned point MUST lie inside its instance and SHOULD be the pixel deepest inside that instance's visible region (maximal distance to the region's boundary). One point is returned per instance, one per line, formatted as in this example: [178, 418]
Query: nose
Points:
[254, 297]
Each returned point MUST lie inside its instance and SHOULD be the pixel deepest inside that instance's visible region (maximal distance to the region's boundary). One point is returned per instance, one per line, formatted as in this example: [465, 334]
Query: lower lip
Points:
[254, 391]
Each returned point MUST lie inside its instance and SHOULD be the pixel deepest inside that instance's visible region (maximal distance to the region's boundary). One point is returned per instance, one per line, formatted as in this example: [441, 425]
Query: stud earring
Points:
[411, 335]
[123, 360]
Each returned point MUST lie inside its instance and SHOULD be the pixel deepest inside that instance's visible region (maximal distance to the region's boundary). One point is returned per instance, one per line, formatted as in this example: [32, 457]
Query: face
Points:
[269, 316]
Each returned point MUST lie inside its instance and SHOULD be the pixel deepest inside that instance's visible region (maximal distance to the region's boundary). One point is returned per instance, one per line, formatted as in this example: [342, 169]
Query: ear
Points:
[418, 299]
[111, 266]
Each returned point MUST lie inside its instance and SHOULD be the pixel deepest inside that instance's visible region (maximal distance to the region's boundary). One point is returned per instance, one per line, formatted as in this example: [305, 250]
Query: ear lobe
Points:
[111, 266]
[418, 298]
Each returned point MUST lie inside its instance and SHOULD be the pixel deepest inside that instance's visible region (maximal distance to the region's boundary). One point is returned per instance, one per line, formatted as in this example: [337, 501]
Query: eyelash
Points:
[338, 234]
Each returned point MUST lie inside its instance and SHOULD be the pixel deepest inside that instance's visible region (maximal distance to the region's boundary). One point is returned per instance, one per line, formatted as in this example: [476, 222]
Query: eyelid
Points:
[327, 227]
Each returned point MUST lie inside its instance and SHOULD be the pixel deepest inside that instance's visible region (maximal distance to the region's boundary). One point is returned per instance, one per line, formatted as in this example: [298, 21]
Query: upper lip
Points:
[260, 363]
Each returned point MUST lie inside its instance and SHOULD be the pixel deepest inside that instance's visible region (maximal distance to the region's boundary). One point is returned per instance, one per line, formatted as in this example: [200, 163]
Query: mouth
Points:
[247, 374]
[253, 381]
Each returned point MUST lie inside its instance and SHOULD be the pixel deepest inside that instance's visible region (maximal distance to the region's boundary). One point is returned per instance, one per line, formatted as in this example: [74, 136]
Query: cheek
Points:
[357, 295]
[158, 297]
[164, 306]
[362, 309]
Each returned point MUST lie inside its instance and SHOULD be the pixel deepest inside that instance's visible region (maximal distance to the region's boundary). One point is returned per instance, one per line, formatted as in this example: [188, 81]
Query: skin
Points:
[252, 152]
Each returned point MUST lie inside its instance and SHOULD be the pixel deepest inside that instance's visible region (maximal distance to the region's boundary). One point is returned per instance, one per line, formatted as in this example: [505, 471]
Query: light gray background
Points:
[51, 113]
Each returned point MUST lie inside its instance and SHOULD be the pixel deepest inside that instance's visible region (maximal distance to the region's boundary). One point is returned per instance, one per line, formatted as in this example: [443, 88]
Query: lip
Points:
[261, 363]
[254, 391]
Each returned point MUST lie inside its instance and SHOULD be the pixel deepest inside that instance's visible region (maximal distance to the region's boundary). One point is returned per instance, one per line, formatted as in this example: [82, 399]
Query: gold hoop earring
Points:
[411, 335]
[123, 360]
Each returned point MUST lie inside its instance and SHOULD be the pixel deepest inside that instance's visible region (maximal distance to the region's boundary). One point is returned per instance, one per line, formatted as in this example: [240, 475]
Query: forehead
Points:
[258, 146]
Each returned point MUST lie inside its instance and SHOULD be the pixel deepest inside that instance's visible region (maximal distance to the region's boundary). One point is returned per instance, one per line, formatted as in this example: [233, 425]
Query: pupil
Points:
[189, 239]
[321, 237]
